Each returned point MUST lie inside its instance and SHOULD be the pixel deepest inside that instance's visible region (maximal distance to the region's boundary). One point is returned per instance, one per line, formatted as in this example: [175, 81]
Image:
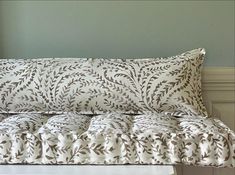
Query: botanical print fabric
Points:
[115, 138]
[109, 111]
[98, 86]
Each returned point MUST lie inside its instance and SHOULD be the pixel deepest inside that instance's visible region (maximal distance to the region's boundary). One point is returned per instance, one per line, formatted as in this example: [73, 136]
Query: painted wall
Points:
[117, 29]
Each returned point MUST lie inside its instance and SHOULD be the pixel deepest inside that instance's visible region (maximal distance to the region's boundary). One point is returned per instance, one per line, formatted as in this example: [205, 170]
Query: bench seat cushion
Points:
[114, 138]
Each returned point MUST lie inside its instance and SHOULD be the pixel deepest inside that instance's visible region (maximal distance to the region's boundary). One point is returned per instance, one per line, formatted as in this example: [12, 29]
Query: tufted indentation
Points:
[112, 122]
[22, 123]
[157, 122]
[70, 122]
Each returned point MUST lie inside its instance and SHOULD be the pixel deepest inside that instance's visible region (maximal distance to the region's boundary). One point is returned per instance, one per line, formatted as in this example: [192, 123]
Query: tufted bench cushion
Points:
[115, 139]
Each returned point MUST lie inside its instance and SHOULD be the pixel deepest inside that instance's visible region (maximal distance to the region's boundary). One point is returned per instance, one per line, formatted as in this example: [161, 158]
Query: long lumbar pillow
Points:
[95, 86]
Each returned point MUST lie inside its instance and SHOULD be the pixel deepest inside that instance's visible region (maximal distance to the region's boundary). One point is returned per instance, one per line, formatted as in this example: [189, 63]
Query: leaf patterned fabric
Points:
[109, 111]
[115, 138]
[98, 86]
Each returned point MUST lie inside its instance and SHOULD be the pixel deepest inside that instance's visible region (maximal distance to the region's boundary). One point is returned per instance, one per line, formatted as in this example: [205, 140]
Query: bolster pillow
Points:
[96, 86]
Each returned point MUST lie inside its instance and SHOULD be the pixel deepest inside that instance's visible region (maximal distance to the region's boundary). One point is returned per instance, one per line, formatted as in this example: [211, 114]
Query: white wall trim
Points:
[218, 89]
[218, 74]
[218, 78]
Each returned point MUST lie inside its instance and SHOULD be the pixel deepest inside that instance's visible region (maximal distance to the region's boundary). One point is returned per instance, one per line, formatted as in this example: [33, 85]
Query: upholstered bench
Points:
[109, 112]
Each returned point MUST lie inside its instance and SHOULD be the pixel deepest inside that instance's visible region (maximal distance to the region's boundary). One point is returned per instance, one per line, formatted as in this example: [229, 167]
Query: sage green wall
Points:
[117, 29]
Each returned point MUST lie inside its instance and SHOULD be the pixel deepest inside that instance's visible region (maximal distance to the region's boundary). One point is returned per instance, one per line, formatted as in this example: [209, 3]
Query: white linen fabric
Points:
[115, 139]
[98, 86]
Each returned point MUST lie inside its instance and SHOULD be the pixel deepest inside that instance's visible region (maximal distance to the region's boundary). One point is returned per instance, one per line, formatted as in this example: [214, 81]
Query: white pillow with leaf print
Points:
[97, 86]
